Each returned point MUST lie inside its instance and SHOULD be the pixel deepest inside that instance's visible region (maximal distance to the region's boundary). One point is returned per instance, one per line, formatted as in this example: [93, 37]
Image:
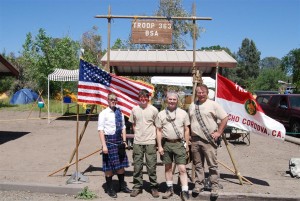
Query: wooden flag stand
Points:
[41, 104]
[77, 177]
[75, 151]
[79, 140]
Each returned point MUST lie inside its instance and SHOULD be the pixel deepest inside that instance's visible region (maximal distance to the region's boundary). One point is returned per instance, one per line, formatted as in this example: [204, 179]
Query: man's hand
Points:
[104, 150]
[215, 135]
[161, 150]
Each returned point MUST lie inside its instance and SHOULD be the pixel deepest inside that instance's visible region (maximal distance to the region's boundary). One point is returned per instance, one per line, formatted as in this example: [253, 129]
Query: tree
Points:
[91, 43]
[119, 44]
[291, 66]
[42, 54]
[269, 62]
[268, 79]
[248, 58]
[227, 72]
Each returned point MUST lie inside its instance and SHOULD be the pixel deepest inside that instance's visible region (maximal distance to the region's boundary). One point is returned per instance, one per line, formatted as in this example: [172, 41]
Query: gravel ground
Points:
[31, 149]
[23, 195]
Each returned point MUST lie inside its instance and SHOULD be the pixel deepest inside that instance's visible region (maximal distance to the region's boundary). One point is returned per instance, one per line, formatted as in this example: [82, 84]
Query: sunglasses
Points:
[111, 99]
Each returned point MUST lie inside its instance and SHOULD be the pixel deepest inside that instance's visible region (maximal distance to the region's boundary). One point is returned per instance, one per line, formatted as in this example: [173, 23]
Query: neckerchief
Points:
[119, 122]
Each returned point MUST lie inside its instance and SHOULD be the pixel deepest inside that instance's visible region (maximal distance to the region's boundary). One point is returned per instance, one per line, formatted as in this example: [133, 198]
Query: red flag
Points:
[95, 84]
[244, 112]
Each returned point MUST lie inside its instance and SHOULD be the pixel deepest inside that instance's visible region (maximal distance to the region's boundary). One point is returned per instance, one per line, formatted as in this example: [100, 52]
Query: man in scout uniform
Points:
[172, 133]
[142, 118]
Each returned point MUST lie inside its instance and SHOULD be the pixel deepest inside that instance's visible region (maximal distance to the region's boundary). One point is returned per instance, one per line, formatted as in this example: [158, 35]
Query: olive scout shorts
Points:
[174, 152]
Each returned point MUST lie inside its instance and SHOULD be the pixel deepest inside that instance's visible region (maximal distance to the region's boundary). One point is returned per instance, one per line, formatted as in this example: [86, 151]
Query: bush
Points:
[86, 194]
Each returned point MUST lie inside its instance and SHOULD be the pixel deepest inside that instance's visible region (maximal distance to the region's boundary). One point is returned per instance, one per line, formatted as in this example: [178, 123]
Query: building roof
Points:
[166, 62]
[7, 68]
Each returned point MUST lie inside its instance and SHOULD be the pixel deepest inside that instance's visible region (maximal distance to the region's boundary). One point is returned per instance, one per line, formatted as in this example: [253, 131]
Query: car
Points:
[284, 108]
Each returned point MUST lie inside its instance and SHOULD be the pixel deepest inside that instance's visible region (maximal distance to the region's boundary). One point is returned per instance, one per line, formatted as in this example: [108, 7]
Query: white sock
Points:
[169, 183]
[185, 188]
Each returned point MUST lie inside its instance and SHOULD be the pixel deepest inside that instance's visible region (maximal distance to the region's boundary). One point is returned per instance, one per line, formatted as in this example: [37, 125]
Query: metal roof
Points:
[166, 62]
[7, 68]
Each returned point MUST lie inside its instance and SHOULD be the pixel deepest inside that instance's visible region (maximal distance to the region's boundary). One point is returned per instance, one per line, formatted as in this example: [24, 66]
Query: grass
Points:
[56, 106]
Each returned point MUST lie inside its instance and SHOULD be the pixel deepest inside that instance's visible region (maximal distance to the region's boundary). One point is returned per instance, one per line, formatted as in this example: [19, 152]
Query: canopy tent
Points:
[185, 81]
[181, 81]
[61, 75]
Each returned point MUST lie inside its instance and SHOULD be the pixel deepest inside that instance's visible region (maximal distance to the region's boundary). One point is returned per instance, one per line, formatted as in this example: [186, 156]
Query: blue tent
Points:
[24, 96]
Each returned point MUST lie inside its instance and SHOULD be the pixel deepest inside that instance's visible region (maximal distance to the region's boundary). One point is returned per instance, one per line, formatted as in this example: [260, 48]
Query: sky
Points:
[273, 25]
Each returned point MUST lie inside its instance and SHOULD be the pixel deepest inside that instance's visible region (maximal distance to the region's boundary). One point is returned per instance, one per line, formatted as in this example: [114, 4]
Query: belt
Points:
[172, 140]
[196, 138]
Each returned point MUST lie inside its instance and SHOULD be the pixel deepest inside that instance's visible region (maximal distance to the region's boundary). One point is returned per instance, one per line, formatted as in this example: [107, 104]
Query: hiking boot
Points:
[135, 192]
[197, 190]
[109, 187]
[185, 195]
[214, 193]
[169, 193]
[155, 192]
[122, 184]
[112, 193]
[125, 189]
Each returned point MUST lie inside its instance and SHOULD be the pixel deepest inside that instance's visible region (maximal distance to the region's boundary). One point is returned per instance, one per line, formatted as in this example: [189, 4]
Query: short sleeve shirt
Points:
[180, 118]
[144, 120]
[211, 112]
[107, 122]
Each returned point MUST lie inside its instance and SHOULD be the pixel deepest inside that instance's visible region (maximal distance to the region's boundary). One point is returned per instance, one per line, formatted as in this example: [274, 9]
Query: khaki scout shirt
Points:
[144, 119]
[211, 113]
[180, 118]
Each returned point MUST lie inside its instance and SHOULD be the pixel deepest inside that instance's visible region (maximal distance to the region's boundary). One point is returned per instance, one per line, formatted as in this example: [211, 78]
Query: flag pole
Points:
[237, 173]
[216, 78]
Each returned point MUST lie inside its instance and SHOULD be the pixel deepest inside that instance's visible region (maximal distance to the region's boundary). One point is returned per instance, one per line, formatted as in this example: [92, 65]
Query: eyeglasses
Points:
[111, 99]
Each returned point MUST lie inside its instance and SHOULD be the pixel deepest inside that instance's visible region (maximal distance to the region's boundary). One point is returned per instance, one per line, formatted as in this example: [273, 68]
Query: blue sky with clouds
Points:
[274, 25]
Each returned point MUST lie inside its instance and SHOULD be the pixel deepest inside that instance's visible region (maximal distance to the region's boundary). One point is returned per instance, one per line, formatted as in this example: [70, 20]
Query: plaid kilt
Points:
[112, 160]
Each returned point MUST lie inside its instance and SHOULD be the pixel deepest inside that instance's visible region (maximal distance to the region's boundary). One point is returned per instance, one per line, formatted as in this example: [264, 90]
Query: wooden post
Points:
[228, 168]
[70, 164]
[79, 140]
[237, 173]
[77, 144]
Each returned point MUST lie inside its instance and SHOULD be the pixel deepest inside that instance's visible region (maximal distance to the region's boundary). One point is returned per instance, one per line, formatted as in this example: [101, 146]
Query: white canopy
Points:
[61, 75]
[64, 75]
[181, 81]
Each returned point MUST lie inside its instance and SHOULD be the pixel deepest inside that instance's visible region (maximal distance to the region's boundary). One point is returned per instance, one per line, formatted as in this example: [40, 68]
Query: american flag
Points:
[95, 84]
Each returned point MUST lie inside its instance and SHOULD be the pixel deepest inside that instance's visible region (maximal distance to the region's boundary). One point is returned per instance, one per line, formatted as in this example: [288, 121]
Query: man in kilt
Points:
[112, 132]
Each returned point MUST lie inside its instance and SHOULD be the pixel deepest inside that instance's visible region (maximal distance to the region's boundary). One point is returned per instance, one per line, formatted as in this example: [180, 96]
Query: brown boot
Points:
[169, 193]
[154, 192]
[135, 192]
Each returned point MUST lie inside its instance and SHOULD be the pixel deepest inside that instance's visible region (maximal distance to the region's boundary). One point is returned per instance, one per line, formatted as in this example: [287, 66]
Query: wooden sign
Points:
[151, 31]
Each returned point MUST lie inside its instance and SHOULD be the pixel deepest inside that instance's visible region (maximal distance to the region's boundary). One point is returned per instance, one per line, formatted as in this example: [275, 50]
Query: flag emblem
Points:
[250, 107]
